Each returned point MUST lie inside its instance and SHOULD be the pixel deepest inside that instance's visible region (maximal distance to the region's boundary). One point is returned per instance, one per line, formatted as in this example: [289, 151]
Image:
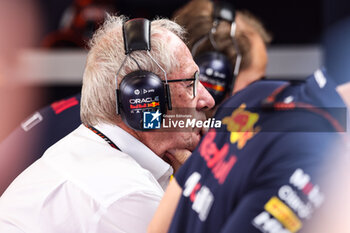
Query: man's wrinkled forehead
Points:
[168, 37]
[179, 49]
[187, 64]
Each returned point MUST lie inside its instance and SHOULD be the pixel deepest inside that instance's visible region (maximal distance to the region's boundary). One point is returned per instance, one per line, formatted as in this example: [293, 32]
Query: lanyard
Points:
[104, 137]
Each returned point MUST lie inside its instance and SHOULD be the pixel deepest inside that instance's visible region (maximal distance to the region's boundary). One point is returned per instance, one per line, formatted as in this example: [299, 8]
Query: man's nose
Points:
[205, 100]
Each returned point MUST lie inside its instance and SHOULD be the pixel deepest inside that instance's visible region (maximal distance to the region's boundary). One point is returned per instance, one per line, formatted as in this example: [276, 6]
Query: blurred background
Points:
[43, 43]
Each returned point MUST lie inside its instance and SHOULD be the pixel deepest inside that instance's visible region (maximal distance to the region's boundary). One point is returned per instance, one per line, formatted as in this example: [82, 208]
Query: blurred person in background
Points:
[20, 25]
[222, 42]
[229, 47]
[17, 35]
[49, 124]
[108, 175]
[263, 171]
[334, 216]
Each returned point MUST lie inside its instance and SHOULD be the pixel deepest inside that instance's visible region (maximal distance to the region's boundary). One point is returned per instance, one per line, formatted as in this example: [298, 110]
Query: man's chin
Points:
[179, 154]
[176, 157]
[196, 137]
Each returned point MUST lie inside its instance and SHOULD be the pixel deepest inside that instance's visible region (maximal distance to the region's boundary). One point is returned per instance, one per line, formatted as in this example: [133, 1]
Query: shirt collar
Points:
[137, 150]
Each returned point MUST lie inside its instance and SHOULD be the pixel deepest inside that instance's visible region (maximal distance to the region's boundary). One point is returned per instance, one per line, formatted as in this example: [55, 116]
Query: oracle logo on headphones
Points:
[144, 100]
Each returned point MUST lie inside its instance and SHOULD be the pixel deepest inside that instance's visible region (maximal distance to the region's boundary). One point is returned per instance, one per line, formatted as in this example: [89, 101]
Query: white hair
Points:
[98, 101]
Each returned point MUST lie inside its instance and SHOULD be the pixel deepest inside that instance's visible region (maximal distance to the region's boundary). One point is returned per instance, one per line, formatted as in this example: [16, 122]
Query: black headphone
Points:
[217, 73]
[141, 92]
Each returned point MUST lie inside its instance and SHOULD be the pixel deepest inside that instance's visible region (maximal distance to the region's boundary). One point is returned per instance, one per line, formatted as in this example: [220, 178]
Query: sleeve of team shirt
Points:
[286, 190]
[35, 134]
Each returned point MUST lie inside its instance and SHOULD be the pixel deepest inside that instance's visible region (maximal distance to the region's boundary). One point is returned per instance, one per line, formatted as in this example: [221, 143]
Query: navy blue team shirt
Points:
[260, 172]
[29, 141]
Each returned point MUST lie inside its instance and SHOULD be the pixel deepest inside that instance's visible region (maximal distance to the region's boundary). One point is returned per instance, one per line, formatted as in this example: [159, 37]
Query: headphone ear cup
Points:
[216, 74]
[140, 91]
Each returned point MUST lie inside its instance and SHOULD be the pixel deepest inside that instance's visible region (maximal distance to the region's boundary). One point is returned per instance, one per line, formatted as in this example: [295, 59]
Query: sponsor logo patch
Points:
[302, 181]
[283, 214]
[32, 121]
[268, 224]
[200, 196]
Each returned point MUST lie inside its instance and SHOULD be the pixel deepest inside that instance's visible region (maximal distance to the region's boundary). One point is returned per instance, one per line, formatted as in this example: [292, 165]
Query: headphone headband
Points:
[137, 35]
[224, 11]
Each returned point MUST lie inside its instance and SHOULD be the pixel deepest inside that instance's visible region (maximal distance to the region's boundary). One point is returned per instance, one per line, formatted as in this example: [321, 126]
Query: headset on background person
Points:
[217, 73]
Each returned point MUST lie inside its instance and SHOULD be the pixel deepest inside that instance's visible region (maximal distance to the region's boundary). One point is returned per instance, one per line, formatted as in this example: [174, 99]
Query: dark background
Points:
[296, 22]
[291, 22]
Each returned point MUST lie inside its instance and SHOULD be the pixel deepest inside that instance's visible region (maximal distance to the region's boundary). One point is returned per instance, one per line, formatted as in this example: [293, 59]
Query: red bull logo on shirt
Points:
[241, 125]
[216, 158]
[302, 181]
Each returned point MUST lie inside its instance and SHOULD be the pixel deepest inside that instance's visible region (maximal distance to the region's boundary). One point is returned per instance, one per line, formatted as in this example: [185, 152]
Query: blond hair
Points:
[196, 18]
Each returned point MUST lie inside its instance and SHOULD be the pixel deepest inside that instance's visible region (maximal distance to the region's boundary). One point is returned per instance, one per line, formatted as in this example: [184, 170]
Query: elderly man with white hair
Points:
[107, 176]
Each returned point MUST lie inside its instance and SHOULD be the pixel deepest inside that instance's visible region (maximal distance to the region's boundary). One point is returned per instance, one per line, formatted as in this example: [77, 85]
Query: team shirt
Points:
[261, 171]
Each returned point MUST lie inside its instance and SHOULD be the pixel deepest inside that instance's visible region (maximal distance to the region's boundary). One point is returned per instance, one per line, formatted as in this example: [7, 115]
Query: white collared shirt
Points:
[82, 184]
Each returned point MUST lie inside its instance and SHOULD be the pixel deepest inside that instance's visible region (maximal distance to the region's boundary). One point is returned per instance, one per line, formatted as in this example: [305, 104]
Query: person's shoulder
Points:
[69, 142]
[253, 93]
[115, 177]
[84, 148]
[97, 168]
